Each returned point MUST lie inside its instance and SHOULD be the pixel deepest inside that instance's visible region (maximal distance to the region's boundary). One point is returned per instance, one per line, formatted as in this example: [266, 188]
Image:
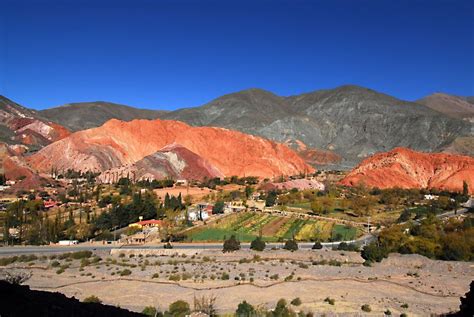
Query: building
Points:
[146, 224]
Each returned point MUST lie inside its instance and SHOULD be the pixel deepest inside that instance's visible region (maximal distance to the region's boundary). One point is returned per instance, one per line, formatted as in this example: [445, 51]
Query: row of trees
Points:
[451, 240]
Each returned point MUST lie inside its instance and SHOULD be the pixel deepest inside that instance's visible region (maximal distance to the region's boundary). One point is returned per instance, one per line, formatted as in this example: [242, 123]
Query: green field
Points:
[247, 226]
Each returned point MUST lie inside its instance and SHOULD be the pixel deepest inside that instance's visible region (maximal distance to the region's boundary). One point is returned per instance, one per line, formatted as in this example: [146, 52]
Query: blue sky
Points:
[171, 54]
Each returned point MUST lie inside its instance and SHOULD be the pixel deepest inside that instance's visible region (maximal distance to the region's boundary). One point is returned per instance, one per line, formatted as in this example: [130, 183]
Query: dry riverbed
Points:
[134, 279]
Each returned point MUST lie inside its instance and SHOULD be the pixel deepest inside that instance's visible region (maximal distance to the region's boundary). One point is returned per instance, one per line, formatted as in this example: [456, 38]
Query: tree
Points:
[248, 191]
[179, 308]
[149, 311]
[404, 216]
[317, 245]
[258, 244]
[291, 245]
[244, 309]
[218, 207]
[373, 253]
[465, 188]
[316, 207]
[231, 244]
[271, 198]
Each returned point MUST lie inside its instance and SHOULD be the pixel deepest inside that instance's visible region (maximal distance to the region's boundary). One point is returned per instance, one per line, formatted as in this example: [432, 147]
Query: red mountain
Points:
[173, 161]
[119, 143]
[405, 168]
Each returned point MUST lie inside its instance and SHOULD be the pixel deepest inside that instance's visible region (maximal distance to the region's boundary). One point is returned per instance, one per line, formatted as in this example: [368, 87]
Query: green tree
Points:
[258, 244]
[231, 244]
[291, 245]
[179, 308]
[149, 311]
[271, 198]
[244, 309]
[218, 207]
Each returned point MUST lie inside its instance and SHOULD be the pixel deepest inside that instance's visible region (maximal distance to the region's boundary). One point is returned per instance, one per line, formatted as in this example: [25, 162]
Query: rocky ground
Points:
[134, 279]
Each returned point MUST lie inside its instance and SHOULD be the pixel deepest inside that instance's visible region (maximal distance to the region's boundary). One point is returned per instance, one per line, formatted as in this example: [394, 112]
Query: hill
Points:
[453, 106]
[350, 121]
[22, 125]
[86, 115]
[405, 168]
[119, 143]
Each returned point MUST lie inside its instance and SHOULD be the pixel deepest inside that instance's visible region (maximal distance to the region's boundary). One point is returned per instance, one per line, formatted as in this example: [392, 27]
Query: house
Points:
[146, 224]
[193, 215]
[256, 205]
[49, 203]
[181, 182]
[431, 197]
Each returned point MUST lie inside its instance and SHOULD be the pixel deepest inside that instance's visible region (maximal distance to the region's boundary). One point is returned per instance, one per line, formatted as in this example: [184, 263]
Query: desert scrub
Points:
[174, 277]
[296, 301]
[125, 272]
[60, 271]
[92, 299]
[55, 263]
[330, 301]
[366, 308]
[156, 275]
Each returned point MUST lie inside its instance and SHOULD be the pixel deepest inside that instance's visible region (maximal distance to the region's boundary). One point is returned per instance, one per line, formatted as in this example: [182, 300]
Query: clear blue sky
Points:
[170, 54]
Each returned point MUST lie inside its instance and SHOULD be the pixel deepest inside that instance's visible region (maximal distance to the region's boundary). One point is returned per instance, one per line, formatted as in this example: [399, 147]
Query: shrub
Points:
[80, 255]
[373, 253]
[231, 244]
[179, 308]
[149, 311]
[317, 245]
[7, 261]
[167, 245]
[55, 264]
[60, 271]
[175, 277]
[244, 309]
[258, 244]
[387, 313]
[225, 276]
[92, 299]
[343, 246]
[125, 272]
[296, 301]
[405, 306]
[330, 301]
[291, 245]
[366, 308]
[156, 275]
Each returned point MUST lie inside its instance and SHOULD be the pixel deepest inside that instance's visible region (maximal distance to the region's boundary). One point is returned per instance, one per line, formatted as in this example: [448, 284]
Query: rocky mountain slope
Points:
[405, 168]
[86, 115]
[453, 106]
[173, 161]
[22, 125]
[351, 121]
[119, 143]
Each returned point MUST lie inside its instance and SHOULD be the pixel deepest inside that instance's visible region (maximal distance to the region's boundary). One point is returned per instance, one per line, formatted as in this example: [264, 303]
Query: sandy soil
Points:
[427, 286]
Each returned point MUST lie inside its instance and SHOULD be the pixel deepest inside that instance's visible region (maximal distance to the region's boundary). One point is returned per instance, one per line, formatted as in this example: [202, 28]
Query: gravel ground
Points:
[261, 278]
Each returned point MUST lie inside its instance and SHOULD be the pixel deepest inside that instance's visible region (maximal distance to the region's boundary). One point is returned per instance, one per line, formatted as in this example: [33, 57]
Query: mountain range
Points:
[334, 128]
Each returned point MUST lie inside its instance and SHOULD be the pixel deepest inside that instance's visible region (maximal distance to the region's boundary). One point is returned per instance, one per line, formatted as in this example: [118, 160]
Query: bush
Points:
[55, 264]
[343, 246]
[387, 313]
[373, 253]
[80, 255]
[244, 309]
[317, 245]
[330, 301]
[168, 245]
[149, 311]
[179, 308]
[92, 299]
[231, 244]
[258, 244]
[125, 272]
[291, 245]
[366, 308]
[7, 261]
[296, 301]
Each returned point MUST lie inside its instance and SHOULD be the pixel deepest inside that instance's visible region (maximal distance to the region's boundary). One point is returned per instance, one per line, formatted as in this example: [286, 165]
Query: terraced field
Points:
[247, 225]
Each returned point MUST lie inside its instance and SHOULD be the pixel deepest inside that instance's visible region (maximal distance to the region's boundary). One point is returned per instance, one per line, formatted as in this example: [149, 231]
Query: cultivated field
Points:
[248, 225]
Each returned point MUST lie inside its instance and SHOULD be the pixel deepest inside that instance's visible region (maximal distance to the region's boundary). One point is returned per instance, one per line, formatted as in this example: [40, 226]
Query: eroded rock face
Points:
[405, 168]
[15, 168]
[118, 143]
[19, 124]
[173, 161]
